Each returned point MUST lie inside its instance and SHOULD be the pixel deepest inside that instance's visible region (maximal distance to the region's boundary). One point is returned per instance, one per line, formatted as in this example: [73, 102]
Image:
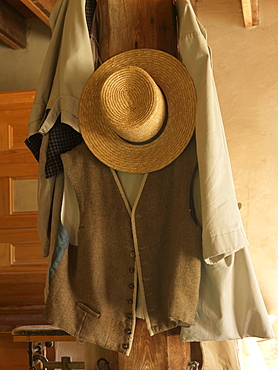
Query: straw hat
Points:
[137, 111]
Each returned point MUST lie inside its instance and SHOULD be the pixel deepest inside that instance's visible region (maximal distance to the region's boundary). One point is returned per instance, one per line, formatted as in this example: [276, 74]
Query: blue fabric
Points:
[61, 246]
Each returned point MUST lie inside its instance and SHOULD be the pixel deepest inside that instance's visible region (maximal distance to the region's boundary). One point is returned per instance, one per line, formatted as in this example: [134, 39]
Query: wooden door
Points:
[22, 269]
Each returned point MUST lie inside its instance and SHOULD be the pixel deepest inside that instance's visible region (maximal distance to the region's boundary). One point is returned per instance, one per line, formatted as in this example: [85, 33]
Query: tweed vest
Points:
[93, 293]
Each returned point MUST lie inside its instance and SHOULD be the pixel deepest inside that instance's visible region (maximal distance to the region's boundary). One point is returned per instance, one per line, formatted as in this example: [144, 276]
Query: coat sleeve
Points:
[222, 229]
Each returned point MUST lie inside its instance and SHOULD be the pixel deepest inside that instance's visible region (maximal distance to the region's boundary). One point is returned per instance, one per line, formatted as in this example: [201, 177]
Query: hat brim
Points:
[178, 88]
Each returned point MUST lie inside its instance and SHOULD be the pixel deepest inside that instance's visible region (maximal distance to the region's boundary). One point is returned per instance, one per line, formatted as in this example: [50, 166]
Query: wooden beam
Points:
[250, 10]
[247, 13]
[255, 12]
[144, 26]
[12, 26]
[41, 8]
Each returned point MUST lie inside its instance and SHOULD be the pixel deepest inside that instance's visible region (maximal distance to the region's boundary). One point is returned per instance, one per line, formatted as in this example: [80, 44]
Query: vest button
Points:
[131, 270]
[132, 254]
[129, 316]
[125, 346]
[131, 286]
[128, 331]
[130, 301]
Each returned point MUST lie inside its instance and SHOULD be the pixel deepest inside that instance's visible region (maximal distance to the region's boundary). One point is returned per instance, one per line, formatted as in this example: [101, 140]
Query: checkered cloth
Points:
[89, 10]
[62, 138]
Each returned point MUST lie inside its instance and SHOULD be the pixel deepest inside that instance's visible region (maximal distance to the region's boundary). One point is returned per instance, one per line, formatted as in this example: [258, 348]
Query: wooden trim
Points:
[11, 316]
[17, 100]
[16, 309]
[12, 26]
[7, 171]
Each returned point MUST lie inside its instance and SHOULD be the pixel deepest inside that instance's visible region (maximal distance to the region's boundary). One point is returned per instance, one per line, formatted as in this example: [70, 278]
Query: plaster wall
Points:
[246, 74]
[20, 69]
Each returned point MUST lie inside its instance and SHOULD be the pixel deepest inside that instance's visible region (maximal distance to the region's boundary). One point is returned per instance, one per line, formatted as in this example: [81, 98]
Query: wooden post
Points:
[133, 24]
[161, 351]
[124, 25]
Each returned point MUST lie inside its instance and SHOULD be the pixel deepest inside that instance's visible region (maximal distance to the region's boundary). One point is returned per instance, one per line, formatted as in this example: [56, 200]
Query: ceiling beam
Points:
[250, 10]
[41, 8]
[12, 22]
[12, 26]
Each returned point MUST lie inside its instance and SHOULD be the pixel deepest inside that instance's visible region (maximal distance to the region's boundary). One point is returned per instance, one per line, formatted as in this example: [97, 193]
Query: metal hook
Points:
[194, 365]
[106, 363]
[37, 349]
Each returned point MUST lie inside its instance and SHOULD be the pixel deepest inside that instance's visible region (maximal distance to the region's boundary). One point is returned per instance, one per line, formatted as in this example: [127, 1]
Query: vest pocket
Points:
[87, 309]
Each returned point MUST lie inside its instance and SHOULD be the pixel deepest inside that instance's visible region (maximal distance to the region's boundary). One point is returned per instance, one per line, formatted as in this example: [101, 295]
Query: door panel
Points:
[22, 268]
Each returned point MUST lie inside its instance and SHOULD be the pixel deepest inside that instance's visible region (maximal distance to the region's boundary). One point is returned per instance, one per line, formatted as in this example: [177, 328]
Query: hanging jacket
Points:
[156, 241]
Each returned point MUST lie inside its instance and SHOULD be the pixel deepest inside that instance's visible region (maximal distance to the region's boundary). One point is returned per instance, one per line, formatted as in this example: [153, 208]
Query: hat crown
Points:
[132, 104]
